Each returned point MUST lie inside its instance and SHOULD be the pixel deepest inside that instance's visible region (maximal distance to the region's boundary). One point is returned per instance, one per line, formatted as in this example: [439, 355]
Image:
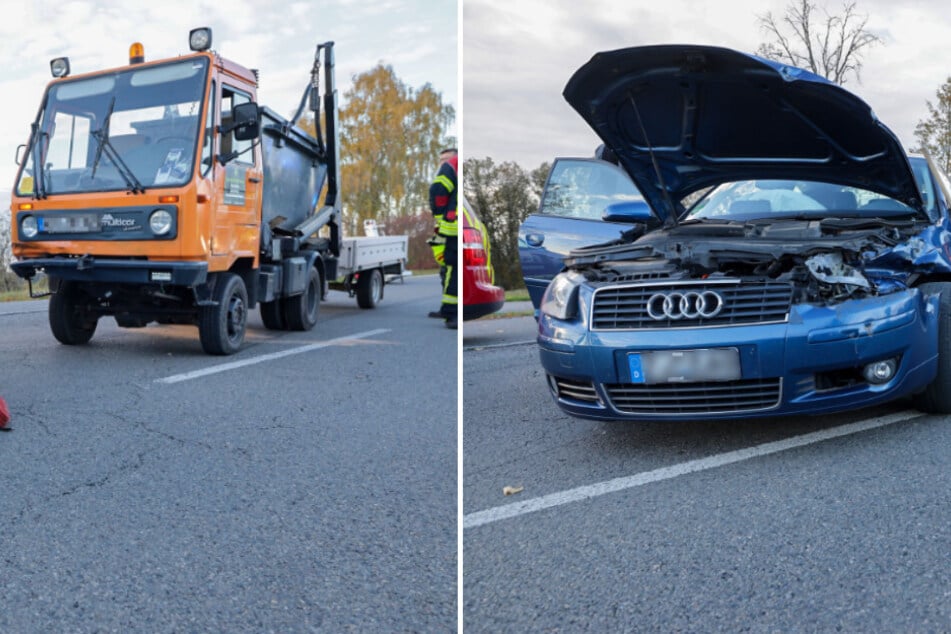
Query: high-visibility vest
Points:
[443, 198]
[448, 225]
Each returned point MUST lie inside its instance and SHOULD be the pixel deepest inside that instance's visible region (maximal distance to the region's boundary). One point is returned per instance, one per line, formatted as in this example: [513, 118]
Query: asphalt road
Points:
[767, 525]
[149, 487]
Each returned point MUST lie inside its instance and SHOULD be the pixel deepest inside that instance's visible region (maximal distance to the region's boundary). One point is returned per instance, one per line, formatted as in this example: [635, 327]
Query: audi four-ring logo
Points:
[689, 305]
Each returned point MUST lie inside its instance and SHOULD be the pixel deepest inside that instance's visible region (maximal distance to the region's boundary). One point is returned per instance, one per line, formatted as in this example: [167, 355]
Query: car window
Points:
[583, 188]
[745, 200]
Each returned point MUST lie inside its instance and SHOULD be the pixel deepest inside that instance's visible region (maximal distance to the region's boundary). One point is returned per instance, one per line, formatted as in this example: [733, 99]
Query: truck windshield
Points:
[132, 129]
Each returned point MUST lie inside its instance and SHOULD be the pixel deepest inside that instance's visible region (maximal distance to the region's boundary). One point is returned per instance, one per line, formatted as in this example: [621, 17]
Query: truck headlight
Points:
[29, 227]
[160, 222]
[561, 297]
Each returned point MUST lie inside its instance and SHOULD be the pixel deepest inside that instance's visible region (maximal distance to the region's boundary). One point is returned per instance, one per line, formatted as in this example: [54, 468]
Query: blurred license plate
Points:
[684, 366]
[81, 223]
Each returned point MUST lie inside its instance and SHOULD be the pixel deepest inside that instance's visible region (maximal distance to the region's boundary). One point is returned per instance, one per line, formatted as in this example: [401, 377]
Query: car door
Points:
[575, 196]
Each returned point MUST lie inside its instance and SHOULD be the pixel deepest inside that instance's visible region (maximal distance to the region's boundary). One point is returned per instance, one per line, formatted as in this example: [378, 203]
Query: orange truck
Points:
[161, 191]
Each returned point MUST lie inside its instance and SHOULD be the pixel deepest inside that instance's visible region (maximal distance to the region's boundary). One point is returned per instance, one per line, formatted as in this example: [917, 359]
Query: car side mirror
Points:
[629, 211]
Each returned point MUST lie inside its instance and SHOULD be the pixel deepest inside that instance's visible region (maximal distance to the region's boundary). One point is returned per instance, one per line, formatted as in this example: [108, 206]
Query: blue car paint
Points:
[815, 339]
[819, 338]
[701, 115]
[555, 237]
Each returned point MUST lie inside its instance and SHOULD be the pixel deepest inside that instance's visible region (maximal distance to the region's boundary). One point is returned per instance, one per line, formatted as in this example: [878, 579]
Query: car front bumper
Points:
[801, 366]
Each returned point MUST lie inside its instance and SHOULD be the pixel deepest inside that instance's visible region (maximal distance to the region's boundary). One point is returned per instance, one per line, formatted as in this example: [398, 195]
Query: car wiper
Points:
[715, 221]
[105, 145]
[854, 223]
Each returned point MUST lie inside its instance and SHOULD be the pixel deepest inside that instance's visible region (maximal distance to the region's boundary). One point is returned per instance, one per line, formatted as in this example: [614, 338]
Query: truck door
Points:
[238, 188]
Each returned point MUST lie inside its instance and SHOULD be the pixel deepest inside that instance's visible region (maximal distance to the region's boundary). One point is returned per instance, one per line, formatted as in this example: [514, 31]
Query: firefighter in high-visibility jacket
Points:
[443, 194]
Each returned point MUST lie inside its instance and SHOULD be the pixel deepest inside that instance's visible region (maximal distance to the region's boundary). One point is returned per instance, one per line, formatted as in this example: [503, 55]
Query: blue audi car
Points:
[765, 247]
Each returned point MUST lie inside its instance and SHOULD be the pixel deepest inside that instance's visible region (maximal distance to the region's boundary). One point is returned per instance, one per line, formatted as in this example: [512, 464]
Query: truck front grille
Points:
[696, 398]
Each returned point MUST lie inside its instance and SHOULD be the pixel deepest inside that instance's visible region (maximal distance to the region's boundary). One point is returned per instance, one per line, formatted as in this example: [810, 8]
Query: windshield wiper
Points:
[39, 169]
[850, 223]
[105, 145]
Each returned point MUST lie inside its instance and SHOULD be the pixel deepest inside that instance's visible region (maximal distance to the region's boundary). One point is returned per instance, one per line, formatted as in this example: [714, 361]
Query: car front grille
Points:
[626, 307]
[696, 398]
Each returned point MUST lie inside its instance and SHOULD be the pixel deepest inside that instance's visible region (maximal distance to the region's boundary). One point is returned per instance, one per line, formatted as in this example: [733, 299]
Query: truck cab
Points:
[161, 191]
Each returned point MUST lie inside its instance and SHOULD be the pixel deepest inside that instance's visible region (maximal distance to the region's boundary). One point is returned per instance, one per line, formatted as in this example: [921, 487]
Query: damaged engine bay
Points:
[826, 261]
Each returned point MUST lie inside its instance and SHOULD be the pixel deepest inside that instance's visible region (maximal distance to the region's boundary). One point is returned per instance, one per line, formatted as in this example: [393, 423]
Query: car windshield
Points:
[130, 129]
[752, 199]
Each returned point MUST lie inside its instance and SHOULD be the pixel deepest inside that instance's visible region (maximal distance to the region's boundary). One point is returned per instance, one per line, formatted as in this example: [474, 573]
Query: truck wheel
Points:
[369, 288]
[272, 314]
[70, 322]
[936, 398]
[300, 311]
[221, 327]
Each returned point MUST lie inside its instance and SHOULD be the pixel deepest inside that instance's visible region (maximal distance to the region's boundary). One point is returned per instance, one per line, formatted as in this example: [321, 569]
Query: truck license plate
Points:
[684, 366]
[84, 223]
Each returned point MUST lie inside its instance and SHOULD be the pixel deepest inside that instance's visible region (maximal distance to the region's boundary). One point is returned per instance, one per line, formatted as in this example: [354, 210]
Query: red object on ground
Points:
[4, 413]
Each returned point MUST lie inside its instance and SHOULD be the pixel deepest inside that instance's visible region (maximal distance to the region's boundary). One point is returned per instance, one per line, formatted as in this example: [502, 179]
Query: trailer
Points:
[367, 264]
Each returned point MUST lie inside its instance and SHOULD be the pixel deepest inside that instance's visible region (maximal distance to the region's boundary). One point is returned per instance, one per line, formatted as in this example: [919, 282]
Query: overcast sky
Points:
[517, 57]
[417, 37]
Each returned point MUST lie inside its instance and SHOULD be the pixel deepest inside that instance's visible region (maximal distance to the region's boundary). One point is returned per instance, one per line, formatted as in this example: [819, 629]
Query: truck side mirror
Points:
[21, 151]
[245, 121]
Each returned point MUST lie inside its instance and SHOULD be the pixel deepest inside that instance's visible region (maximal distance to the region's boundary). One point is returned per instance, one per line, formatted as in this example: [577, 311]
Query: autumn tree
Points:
[504, 194]
[831, 45]
[390, 137]
[934, 133]
[8, 280]
[539, 177]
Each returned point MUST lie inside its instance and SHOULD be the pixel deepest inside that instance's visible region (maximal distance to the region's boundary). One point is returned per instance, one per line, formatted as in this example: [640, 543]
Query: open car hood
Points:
[685, 117]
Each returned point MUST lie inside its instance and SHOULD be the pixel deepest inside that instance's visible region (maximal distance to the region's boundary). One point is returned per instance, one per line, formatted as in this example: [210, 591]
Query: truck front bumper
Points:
[115, 270]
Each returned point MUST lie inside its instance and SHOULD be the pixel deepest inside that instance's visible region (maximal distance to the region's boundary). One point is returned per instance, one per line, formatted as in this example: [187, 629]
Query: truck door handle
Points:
[535, 239]
[254, 179]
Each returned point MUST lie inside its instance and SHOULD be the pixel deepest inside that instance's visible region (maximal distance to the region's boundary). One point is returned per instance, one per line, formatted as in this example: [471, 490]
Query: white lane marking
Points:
[578, 494]
[224, 367]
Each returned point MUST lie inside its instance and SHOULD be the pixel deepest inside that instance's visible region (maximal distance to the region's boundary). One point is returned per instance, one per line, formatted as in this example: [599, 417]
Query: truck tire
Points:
[936, 398]
[300, 311]
[221, 327]
[70, 322]
[369, 288]
[272, 314]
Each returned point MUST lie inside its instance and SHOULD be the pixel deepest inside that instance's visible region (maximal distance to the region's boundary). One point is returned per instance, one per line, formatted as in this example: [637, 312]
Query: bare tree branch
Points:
[833, 47]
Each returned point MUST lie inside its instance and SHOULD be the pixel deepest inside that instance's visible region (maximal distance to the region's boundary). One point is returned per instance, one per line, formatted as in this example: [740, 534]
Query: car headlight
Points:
[561, 297]
[29, 227]
[160, 222]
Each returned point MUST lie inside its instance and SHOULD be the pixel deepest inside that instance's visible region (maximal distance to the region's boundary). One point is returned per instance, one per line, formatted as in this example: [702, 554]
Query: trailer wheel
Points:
[936, 398]
[369, 288]
[300, 311]
[272, 314]
[221, 327]
[70, 322]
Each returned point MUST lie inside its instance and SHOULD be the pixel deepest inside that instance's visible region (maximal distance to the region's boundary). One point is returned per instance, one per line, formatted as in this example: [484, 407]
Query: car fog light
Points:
[160, 221]
[880, 371]
[28, 227]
